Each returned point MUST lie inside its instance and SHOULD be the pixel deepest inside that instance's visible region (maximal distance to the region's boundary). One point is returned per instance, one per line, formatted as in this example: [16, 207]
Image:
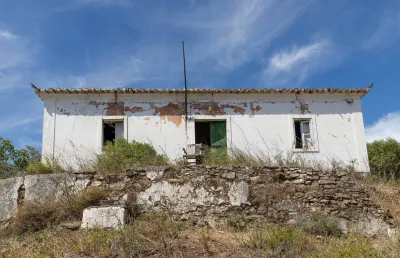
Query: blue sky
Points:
[229, 44]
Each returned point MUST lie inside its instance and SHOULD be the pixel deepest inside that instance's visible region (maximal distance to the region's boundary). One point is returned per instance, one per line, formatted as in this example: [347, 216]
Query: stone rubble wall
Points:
[275, 194]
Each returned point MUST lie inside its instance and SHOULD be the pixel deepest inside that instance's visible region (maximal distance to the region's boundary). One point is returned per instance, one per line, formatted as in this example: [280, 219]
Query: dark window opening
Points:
[297, 130]
[302, 134]
[211, 133]
[112, 131]
[202, 132]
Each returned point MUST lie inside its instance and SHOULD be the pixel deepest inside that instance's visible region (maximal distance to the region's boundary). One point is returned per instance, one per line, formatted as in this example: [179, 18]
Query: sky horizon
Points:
[228, 44]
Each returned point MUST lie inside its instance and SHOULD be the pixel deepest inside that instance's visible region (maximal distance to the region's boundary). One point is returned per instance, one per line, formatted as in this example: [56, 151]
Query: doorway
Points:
[211, 133]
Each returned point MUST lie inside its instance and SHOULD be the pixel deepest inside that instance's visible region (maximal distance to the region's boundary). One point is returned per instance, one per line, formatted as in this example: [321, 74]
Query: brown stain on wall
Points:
[254, 109]
[235, 109]
[207, 108]
[112, 108]
[213, 108]
[115, 109]
[133, 109]
[172, 112]
[304, 108]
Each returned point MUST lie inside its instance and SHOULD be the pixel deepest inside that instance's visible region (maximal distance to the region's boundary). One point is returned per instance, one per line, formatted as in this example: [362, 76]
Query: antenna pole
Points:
[184, 74]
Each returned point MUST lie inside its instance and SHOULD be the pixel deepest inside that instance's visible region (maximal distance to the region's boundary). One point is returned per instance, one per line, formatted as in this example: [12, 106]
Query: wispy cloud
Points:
[76, 4]
[233, 32]
[5, 34]
[386, 34]
[386, 126]
[16, 55]
[16, 122]
[295, 64]
[27, 141]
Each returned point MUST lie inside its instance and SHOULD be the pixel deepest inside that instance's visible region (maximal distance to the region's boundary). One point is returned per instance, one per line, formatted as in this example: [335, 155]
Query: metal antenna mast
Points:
[184, 74]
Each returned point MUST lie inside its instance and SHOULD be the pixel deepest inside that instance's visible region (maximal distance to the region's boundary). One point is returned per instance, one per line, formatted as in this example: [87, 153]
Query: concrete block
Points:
[104, 217]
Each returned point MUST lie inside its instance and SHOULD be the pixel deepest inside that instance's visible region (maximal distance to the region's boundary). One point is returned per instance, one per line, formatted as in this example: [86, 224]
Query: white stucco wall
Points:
[259, 123]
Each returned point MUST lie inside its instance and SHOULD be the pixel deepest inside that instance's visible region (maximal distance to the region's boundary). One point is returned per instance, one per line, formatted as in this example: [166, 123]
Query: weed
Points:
[237, 222]
[320, 225]
[33, 217]
[47, 167]
[280, 240]
[354, 247]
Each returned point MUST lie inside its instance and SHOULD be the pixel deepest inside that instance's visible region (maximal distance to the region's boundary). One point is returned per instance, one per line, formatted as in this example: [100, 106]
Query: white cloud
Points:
[5, 34]
[233, 32]
[286, 60]
[296, 64]
[386, 126]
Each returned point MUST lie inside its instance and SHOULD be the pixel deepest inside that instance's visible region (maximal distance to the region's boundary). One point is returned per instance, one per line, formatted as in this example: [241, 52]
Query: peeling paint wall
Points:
[262, 123]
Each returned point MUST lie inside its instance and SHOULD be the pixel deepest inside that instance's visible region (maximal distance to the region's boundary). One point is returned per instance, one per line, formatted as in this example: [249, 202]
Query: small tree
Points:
[13, 161]
[384, 158]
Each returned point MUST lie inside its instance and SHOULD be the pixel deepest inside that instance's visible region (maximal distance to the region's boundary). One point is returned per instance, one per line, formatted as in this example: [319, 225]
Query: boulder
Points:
[9, 197]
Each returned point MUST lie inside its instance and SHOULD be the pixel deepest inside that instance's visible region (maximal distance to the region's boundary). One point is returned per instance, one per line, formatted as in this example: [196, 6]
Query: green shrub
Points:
[320, 225]
[280, 240]
[384, 158]
[120, 155]
[47, 167]
[353, 248]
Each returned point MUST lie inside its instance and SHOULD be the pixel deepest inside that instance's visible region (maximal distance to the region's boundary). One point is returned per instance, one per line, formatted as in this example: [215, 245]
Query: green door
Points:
[218, 134]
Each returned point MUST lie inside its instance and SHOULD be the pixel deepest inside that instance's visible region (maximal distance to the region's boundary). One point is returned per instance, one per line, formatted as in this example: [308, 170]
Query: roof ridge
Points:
[200, 90]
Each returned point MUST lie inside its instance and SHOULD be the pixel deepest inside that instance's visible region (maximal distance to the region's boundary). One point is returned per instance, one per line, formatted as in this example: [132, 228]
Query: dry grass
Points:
[386, 194]
[156, 235]
[35, 216]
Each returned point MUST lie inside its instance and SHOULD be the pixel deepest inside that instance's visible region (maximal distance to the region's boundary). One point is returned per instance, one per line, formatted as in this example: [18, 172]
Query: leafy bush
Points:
[384, 158]
[120, 155]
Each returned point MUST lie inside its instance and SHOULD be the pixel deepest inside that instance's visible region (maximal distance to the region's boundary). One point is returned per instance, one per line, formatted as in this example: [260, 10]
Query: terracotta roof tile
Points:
[38, 91]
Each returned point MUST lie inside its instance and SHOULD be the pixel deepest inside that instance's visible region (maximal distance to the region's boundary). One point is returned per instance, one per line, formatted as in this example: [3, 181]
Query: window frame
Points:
[110, 119]
[313, 133]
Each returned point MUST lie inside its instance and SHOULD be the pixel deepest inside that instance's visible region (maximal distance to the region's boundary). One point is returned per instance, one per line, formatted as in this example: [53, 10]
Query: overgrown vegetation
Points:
[281, 241]
[319, 225]
[120, 155]
[214, 156]
[35, 216]
[384, 158]
[158, 235]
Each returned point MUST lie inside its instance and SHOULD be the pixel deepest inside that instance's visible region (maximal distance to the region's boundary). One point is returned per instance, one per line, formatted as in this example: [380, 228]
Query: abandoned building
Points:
[320, 126]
